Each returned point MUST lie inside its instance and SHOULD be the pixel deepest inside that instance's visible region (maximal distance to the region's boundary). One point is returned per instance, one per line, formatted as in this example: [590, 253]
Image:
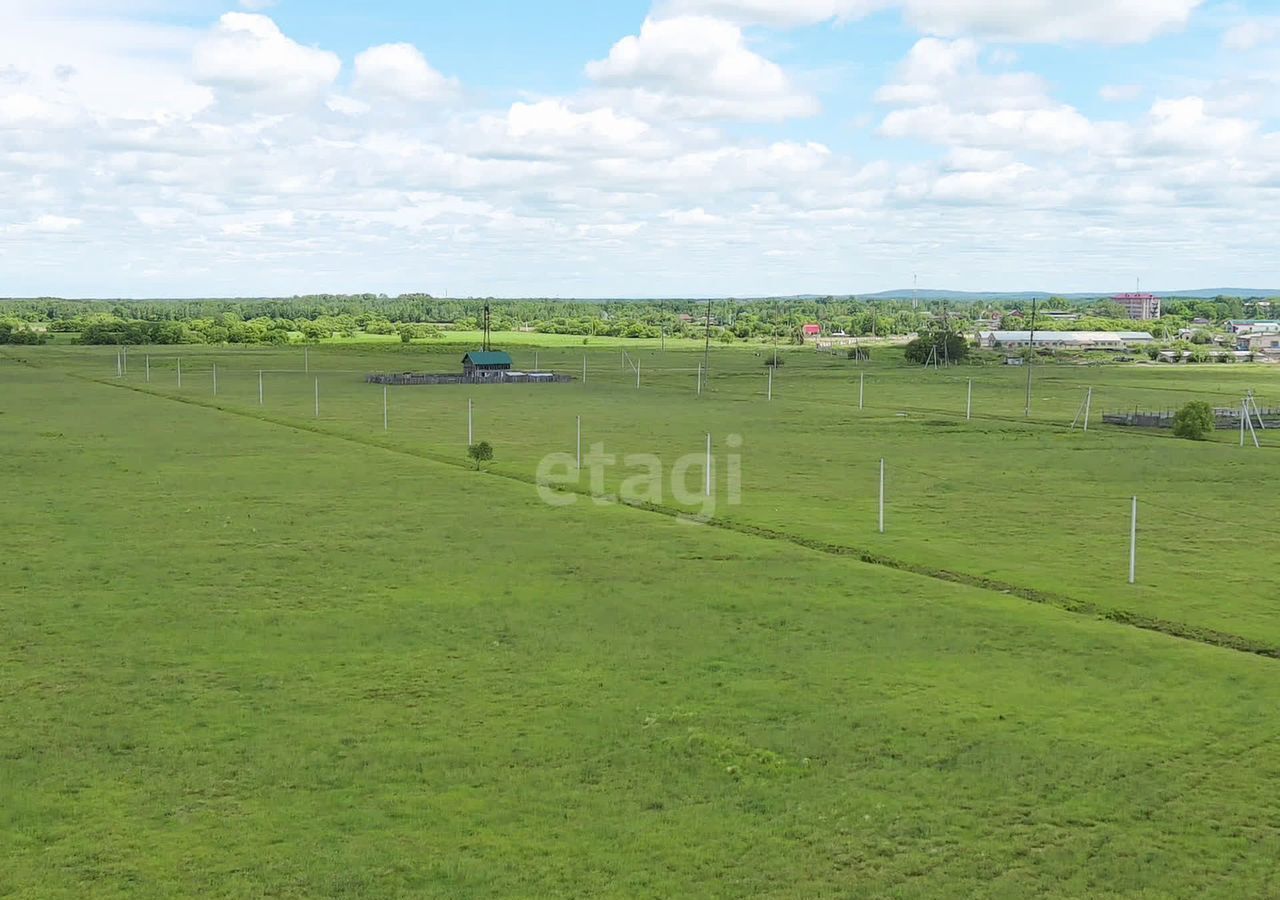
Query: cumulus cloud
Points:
[1052, 21]
[248, 53]
[782, 13]
[945, 96]
[401, 72]
[44, 224]
[700, 67]
[243, 162]
[1033, 21]
[83, 68]
[558, 129]
[1252, 33]
[1187, 126]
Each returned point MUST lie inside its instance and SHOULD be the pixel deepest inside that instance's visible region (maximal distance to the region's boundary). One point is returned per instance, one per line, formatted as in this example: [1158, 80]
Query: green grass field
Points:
[252, 651]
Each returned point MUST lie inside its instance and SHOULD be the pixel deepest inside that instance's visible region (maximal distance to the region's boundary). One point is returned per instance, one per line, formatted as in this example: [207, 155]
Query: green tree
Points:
[480, 453]
[1195, 421]
[949, 344]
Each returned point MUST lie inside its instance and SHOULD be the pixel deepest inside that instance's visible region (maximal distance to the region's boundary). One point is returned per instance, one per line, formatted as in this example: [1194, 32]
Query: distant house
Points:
[1266, 343]
[1062, 340]
[1236, 326]
[486, 363]
[812, 330]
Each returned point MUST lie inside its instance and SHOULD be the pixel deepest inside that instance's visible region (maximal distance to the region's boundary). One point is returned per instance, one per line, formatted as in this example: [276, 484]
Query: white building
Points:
[1063, 340]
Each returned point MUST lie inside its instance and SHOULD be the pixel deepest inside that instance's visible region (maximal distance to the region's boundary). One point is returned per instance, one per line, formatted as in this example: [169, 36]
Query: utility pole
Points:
[1133, 544]
[882, 496]
[708, 467]
[946, 336]
[706, 348]
[1031, 362]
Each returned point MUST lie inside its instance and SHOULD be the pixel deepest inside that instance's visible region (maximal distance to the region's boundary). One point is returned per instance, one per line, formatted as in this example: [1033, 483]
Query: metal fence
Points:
[1226, 418]
[409, 378]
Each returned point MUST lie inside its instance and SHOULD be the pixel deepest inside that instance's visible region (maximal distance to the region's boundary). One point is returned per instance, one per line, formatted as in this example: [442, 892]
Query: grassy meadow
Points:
[250, 650]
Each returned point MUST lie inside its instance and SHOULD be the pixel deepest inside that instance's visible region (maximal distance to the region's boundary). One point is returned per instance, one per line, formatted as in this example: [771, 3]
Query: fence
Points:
[1226, 418]
[409, 378]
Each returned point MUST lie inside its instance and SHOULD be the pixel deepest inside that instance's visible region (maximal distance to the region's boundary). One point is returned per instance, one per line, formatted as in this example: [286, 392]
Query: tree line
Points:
[421, 316]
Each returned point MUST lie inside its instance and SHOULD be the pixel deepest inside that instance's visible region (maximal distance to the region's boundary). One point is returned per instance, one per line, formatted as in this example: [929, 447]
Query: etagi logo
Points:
[691, 481]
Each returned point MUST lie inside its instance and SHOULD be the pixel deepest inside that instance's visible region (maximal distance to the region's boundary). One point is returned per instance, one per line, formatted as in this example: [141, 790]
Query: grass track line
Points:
[1169, 628]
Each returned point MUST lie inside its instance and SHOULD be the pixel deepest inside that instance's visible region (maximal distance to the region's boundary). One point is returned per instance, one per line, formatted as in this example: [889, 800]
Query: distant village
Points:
[1039, 330]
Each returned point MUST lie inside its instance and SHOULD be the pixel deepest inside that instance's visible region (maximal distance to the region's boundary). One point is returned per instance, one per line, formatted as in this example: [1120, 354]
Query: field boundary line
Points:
[1178, 630]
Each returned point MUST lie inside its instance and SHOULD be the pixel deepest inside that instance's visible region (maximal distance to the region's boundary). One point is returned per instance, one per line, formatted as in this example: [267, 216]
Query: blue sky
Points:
[664, 148]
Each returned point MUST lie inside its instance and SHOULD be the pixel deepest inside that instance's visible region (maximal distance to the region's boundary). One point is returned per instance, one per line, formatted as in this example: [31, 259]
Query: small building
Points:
[1260, 328]
[812, 331]
[1266, 343]
[486, 364]
[1236, 326]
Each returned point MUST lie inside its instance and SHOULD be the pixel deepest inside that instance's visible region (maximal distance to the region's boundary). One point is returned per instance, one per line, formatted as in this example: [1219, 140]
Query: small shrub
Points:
[772, 360]
[1195, 421]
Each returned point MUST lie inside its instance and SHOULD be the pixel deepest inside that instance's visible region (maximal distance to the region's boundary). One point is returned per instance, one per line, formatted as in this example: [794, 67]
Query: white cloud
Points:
[700, 67]
[1033, 21]
[346, 106]
[1052, 21]
[273, 175]
[401, 72]
[254, 225]
[248, 53]
[1187, 126]
[555, 129]
[44, 224]
[693, 217]
[92, 67]
[782, 13]
[1252, 33]
[21, 109]
[945, 97]
[51, 223]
